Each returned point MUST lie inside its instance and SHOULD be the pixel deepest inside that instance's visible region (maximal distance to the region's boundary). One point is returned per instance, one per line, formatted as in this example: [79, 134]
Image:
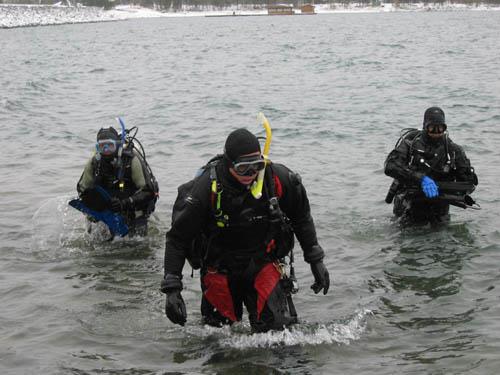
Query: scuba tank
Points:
[129, 141]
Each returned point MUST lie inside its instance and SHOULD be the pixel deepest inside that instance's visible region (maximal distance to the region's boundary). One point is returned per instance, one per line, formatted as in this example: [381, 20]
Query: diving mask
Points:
[249, 166]
[107, 147]
[436, 128]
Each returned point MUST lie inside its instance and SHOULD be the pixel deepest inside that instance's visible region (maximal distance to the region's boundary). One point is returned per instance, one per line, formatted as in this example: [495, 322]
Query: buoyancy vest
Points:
[117, 179]
[256, 215]
[106, 175]
[437, 160]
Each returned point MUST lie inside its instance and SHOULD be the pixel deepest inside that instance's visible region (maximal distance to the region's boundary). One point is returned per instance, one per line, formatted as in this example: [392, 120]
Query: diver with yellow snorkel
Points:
[236, 221]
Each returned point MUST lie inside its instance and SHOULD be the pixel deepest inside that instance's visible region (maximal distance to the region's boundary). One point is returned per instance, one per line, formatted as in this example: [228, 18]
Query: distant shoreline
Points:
[32, 15]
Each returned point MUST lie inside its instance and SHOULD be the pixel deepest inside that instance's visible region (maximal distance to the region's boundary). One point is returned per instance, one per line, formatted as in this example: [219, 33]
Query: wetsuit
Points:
[417, 155]
[241, 245]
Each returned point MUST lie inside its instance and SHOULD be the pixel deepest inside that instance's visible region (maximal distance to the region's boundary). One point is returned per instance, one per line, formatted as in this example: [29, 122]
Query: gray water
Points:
[337, 89]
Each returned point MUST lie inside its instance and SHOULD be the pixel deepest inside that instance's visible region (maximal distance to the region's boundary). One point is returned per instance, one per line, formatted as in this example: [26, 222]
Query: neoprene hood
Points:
[240, 142]
[434, 116]
[108, 133]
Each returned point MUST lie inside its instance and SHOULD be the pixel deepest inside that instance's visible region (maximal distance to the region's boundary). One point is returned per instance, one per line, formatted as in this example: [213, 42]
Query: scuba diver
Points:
[117, 179]
[239, 234]
[430, 172]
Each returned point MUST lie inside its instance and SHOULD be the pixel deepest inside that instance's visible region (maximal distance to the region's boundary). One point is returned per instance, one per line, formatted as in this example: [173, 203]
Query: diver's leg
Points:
[267, 301]
[220, 303]
[441, 214]
[416, 213]
[139, 227]
[88, 223]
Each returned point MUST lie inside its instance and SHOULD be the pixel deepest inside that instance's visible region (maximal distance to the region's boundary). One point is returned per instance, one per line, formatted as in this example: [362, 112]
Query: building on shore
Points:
[280, 10]
[307, 9]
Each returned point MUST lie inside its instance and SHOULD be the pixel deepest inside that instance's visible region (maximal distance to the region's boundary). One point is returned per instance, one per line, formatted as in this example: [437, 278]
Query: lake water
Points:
[337, 89]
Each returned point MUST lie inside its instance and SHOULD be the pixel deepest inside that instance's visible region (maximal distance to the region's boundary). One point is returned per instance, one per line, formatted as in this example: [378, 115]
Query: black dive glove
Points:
[321, 277]
[175, 308]
[118, 205]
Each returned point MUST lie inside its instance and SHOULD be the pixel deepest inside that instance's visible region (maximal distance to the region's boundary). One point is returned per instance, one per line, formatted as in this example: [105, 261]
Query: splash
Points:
[59, 231]
[53, 225]
[340, 332]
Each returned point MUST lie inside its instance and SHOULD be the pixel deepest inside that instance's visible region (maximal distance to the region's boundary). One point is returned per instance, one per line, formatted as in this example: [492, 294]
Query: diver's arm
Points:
[189, 216]
[188, 219]
[295, 205]
[175, 250]
[464, 171]
[87, 178]
[143, 194]
[396, 165]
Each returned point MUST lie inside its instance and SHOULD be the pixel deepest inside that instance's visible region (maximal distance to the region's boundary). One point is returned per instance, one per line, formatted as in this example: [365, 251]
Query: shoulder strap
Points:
[275, 191]
[216, 192]
[273, 182]
[96, 169]
[95, 165]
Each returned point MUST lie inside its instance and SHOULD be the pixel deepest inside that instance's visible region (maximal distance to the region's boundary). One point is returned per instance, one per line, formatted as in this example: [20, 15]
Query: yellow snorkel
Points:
[257, 185]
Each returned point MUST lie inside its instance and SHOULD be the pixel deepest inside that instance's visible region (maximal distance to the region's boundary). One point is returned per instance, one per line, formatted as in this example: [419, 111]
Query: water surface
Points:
[337, 89]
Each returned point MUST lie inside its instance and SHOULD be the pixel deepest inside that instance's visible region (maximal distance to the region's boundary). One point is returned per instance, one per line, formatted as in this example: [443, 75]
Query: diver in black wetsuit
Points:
[421, 160]
[243, 239]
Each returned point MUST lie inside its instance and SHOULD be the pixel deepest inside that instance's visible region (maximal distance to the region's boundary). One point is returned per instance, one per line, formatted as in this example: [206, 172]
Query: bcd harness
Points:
[120, 180]
[280, 238]
[275, 215]
[430, 162]
[419, 157]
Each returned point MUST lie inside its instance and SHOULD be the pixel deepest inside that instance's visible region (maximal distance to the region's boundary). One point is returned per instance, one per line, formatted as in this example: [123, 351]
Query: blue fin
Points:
[114, 221]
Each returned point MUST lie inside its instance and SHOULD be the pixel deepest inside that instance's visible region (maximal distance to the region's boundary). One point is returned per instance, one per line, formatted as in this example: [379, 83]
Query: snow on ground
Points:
[40, 15]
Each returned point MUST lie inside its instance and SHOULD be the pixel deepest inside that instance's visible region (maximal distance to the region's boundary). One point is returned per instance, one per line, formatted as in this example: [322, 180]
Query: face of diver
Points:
[435, 131]
[107, 147]
[254, 162]
[108, 142]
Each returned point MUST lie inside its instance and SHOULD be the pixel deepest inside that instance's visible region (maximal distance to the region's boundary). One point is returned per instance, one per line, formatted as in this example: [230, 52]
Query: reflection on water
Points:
[428, 262]
[419, 285]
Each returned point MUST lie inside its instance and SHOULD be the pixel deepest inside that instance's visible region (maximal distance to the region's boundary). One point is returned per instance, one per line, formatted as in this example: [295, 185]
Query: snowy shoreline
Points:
[17, 15]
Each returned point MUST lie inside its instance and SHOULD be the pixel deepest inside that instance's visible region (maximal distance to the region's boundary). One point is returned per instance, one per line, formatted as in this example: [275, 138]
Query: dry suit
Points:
[239, 244]
[417, 155]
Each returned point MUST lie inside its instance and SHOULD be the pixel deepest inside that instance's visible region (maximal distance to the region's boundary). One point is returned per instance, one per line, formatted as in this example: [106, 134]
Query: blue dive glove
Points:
[429, 187]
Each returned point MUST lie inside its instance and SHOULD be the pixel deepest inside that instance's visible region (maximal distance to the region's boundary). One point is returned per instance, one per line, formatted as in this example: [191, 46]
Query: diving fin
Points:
[114, 221]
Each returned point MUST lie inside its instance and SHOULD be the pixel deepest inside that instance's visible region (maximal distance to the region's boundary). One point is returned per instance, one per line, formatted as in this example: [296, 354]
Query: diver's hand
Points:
[321, 277]
[175, 308]
[429, 187]
[116, 204]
